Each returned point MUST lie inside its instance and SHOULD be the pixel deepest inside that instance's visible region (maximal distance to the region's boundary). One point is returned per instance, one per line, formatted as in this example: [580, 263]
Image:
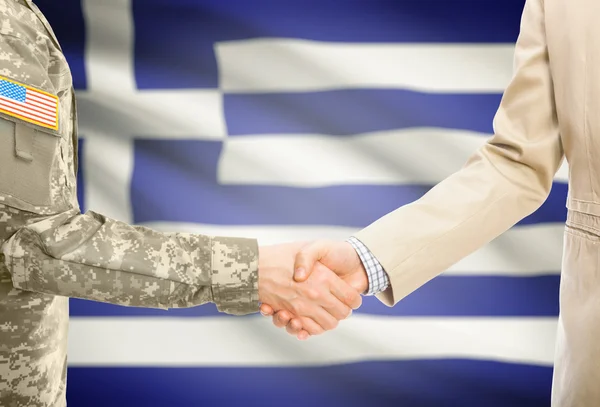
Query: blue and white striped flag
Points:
[287, 120]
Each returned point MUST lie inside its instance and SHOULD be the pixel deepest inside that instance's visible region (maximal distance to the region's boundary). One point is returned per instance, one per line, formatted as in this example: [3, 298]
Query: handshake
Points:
[309, 287]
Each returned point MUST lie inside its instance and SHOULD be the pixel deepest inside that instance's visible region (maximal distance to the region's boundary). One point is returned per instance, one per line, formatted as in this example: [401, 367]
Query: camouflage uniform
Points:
[51, 251]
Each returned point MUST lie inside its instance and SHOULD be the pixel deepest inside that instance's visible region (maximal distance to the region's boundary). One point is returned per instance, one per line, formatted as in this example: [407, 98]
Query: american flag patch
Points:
[29, 104]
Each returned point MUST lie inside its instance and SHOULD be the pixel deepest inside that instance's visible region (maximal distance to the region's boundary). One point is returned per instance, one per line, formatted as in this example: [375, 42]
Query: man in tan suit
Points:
[551, 108]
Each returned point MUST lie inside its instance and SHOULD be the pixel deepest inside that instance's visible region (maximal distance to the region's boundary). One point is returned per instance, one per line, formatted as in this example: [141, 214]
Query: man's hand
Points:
[335, 255]
[317, 303]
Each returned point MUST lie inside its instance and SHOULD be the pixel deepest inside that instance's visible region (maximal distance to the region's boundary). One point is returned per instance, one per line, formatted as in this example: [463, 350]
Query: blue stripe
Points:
[176, 181]
[442, 296]
[66, 19]
[189, 60]
[345, 112]
[419, 383]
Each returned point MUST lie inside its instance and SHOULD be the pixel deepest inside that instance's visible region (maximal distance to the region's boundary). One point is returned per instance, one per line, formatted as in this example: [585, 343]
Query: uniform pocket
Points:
[27, 159]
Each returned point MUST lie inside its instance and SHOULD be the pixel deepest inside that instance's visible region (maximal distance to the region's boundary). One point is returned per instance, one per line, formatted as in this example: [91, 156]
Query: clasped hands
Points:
[309, 287]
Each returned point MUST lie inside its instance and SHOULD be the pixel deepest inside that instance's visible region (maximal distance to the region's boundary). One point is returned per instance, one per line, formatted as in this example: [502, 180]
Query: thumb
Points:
[359, 281]
[306, 259]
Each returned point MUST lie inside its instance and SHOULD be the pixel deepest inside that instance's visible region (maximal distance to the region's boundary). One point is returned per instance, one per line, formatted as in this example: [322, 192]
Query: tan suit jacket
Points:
[550, 109]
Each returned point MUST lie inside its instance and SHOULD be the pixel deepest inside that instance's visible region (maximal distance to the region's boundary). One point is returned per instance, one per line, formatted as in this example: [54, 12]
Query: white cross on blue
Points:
[12, 91]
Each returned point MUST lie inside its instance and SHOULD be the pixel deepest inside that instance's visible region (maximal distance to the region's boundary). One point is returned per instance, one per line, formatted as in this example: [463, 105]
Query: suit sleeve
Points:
[504, 181]
[92, 257]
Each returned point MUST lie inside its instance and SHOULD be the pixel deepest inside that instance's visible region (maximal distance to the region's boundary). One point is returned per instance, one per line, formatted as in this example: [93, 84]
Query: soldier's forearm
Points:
[93, 257]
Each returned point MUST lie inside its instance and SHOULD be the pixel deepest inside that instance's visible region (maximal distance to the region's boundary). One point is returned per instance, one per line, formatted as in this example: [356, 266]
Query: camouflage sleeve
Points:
[92, 257]
[63, 252]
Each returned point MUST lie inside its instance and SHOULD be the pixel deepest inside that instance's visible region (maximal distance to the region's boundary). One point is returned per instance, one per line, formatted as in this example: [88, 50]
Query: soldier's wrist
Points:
[234, 274]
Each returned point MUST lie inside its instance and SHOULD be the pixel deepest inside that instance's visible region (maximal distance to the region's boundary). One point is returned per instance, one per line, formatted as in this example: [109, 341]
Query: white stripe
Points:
[27, 115]
[109, 68]
[419, 155]
[34, 106]
[42, 109]
[109, 163]
[38, 106]
[522, 251]
[109, 45]
[112, 111]
[279, 65]
[50, 106]
[189, 114]
[11, 108]
[243, 342]
[26, 106]
[40, 97]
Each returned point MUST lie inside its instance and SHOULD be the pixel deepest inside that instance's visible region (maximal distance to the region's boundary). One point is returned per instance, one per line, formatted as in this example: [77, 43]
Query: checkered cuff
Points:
[378, 278]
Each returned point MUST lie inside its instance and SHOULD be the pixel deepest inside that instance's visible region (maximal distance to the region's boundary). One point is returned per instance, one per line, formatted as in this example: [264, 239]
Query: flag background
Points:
[289, 120]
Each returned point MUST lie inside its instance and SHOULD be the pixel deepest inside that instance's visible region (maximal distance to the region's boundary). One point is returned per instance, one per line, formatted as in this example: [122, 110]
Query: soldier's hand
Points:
[317, 304]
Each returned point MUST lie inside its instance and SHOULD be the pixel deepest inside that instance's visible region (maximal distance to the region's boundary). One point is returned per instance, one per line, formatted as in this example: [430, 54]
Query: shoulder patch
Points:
[28, 104]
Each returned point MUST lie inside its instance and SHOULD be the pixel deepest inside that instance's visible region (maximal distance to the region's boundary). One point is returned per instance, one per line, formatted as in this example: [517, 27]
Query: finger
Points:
[303, 335]
[306, 259]
[281, 318]
[266, 310]
[294, 327]
[311, 327]
[336, 308]
[323, 318]
[345, 293]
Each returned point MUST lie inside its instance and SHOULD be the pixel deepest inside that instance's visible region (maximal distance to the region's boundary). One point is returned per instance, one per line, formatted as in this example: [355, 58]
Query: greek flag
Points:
[286, 120]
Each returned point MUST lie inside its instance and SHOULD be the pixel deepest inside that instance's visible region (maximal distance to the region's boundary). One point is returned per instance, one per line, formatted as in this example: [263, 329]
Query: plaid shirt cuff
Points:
[378, 278]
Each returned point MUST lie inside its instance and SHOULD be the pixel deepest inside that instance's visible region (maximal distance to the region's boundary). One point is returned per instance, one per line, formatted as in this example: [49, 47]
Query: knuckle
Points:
[312, 294]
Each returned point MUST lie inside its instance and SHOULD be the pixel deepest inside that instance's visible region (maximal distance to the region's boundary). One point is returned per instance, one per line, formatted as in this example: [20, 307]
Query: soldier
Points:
[51, 251]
